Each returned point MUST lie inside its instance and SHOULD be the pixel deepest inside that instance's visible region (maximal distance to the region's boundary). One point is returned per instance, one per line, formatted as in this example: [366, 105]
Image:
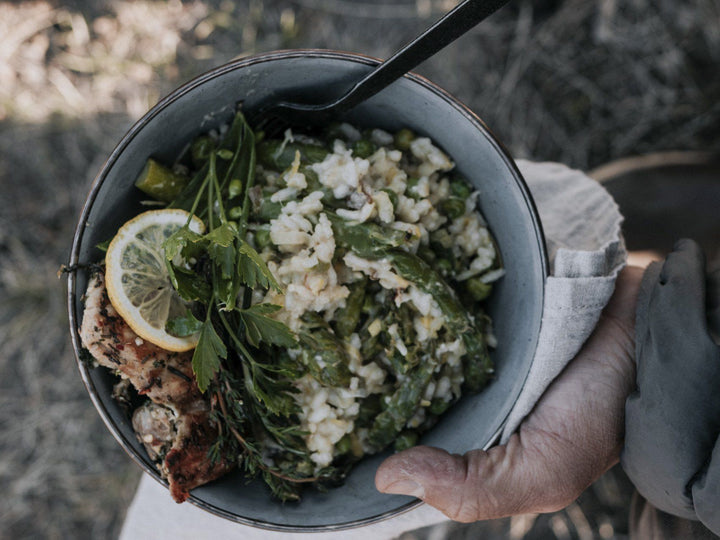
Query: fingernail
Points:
[406, 486]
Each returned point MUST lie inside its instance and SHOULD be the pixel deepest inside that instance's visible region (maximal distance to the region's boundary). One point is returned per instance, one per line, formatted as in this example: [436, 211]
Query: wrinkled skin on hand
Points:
[573, 435]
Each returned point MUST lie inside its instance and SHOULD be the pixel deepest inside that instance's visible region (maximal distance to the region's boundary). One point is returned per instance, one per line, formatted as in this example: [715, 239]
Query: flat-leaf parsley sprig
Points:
[252, 389]
[223, 262]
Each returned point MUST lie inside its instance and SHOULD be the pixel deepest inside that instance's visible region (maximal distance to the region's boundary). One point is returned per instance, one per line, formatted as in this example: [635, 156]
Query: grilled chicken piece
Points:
[163, 376]
[175, 426]
[179, 443]
[187, 462]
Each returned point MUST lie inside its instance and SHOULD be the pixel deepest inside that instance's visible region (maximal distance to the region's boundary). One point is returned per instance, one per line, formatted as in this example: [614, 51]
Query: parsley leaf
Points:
[206, 358]
[252, 268]
[177, 245]
[191, 286]
[178, 241]
[259, 327]
[235, 360]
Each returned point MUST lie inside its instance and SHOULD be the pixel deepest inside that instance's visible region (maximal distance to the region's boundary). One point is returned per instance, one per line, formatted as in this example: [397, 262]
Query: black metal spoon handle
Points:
[446, 30]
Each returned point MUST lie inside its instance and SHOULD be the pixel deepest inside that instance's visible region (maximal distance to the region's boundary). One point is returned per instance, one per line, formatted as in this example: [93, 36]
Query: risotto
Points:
[346, 298]
[389, 325]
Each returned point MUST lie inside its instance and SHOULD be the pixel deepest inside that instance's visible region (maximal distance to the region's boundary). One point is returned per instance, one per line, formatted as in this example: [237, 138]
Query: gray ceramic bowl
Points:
[413, 102]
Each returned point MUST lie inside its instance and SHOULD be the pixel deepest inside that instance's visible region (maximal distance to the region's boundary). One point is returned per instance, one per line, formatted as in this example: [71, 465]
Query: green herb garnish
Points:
[240, 358]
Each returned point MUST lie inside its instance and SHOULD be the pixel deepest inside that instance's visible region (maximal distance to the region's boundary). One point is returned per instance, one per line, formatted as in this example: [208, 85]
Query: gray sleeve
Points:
[672, 448]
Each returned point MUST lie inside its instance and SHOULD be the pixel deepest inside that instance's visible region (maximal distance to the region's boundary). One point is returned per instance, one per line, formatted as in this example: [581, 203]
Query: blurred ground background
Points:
[583, 82]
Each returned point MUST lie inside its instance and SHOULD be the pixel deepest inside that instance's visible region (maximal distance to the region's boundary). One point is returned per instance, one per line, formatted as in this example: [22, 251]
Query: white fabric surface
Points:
[586, 250]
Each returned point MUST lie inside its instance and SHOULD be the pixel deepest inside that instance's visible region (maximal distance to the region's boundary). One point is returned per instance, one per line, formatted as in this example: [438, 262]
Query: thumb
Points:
[478, 485]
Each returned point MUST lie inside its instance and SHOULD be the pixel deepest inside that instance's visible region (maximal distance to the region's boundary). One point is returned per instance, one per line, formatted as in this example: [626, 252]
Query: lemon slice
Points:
[137, 279]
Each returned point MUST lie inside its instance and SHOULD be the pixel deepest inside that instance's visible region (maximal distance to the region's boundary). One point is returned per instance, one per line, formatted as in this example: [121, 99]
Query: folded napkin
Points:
[582, 229]
[586, 250]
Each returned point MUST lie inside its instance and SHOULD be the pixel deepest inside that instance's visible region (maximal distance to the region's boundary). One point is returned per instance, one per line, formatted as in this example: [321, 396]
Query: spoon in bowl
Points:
[275, 117]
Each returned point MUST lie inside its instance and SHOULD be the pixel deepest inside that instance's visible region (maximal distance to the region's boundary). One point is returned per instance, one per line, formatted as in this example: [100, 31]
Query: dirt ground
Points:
[583, 82]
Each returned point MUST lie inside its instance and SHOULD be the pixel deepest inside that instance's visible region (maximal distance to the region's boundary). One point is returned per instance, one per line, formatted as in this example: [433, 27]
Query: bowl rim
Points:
[74, 317]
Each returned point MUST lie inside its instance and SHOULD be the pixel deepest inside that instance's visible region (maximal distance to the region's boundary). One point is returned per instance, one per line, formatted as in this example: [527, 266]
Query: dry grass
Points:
[582, 82]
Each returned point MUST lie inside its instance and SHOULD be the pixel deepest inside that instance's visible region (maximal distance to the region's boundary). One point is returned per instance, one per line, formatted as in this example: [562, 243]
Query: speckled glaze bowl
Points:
[314, 75]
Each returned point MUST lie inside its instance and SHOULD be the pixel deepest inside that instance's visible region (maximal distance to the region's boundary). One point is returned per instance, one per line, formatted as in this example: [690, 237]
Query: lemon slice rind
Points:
[138, 283]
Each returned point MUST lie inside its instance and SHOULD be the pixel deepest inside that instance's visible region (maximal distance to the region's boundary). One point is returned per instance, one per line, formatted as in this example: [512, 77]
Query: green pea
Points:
[200, 149]
[235, 187]
[235, 212]
[459, 188]
[403, 138]
[452, 207]
[262, 238]
[363, 148]
[478, 289]
[411, 184]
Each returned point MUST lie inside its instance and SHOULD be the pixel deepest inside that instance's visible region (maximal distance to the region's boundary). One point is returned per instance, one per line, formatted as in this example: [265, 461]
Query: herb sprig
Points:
[251, 389]
[225, 263]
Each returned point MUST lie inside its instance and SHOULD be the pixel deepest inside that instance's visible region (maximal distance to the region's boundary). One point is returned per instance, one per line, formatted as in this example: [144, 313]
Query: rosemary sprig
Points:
[250, 450]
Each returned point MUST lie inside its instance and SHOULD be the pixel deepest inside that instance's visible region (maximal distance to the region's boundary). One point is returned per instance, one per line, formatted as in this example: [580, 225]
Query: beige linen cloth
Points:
[586, 250]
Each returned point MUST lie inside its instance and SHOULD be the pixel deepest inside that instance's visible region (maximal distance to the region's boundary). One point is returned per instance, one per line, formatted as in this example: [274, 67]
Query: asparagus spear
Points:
[477, 364]
[374, 241]
[348, 317]
[401, 407]
[278, 155]
[323, 354]
[368, 240]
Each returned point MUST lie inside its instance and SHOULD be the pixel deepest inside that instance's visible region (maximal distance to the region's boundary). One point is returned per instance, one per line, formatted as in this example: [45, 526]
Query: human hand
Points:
[573, 435]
